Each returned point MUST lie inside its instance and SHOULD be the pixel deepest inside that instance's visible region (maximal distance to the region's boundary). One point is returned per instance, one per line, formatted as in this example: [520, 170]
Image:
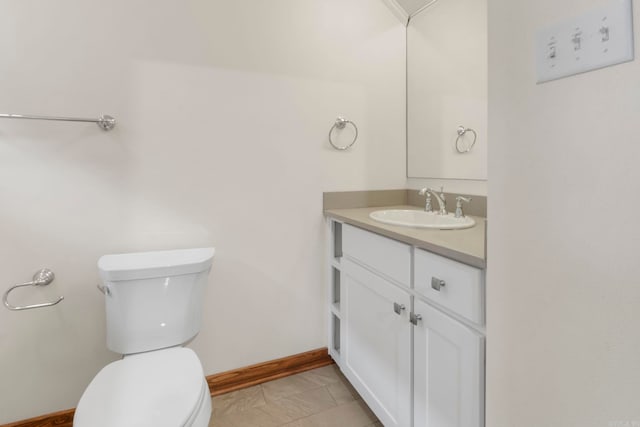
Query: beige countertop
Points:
[466, 246]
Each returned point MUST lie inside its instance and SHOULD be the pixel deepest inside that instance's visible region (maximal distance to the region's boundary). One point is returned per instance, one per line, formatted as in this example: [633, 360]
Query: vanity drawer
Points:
[453, 285]
[386, 256]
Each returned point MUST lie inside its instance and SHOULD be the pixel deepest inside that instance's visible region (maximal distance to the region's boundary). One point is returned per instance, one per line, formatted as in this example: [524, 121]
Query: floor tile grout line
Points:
[264, 397]
[312, 414]
[332, 397]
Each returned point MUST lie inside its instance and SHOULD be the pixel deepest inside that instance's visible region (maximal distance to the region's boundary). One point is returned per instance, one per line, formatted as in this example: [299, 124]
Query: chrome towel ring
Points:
[461, 132]
[340, 124]
[41, 278]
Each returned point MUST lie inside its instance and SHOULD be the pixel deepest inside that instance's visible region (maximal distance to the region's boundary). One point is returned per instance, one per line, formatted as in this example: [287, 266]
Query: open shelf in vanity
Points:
[335, 249]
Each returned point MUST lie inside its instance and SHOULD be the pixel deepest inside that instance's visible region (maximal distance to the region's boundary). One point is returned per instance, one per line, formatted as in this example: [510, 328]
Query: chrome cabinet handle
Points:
[415, 318]
[398, 308]
[437, 283]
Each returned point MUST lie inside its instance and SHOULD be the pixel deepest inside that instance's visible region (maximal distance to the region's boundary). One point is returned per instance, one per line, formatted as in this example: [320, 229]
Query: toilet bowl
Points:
[159, 388]
[153, 305]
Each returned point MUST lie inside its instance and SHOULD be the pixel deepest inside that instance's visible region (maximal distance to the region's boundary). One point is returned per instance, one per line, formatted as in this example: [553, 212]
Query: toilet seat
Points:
[163, 388]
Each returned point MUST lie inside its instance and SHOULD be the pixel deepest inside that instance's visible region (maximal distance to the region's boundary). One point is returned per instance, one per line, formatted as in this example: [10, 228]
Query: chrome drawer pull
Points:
[437, 283]
[398, 308]
[415, 318]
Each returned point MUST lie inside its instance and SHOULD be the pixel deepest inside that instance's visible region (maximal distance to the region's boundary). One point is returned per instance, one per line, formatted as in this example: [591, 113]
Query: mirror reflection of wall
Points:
[446, 88]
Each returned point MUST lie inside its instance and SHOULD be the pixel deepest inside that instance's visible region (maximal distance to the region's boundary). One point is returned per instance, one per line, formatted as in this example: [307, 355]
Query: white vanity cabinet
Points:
[377, 342]
[406, 329]
[448, 371]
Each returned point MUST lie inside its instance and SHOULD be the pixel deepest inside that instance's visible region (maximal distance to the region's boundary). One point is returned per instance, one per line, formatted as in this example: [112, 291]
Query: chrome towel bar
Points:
[41, 278]
[104, 122]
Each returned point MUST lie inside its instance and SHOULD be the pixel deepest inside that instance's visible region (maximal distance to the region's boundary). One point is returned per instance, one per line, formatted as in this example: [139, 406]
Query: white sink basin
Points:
[422, 219]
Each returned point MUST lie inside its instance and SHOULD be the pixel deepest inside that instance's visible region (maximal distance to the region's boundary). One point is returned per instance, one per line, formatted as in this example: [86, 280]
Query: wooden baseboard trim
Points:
[56, 419]
[262, 372]
[218, 383]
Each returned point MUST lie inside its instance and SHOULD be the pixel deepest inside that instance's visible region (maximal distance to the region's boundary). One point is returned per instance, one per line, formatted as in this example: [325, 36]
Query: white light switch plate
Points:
[593, 40]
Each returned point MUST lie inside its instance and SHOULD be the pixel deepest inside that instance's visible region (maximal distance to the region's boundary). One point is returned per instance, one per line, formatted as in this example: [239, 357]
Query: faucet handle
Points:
[427, 205]
[459, 201]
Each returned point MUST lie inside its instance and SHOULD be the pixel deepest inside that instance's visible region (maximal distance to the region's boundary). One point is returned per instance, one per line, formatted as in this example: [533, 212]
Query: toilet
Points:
[153, 306]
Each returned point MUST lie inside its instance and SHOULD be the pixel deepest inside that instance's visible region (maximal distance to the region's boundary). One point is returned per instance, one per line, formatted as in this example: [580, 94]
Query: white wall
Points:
[563, 290]
[223, 110]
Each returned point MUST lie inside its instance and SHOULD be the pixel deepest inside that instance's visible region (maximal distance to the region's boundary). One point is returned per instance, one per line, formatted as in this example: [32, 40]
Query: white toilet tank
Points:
[154, 299]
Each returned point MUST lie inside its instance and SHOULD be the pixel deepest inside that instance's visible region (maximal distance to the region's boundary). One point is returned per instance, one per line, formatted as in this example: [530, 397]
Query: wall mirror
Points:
[446, 89]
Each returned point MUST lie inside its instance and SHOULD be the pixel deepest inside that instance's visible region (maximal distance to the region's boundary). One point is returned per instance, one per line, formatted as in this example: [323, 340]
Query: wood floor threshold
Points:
[221, 383]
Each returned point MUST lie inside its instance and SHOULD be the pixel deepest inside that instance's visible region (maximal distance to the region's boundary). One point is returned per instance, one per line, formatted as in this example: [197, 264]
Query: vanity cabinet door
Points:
[377, 343]
[448, 371]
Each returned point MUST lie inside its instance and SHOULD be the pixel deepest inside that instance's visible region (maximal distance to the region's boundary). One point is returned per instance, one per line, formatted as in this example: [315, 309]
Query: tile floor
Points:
[318, 398]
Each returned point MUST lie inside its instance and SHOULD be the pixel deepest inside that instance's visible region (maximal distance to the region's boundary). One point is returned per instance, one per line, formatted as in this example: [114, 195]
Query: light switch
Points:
[577, 39]
[596, 39]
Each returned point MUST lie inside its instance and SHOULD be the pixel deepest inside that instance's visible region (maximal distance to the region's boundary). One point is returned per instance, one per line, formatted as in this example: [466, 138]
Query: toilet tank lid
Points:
[145, 265]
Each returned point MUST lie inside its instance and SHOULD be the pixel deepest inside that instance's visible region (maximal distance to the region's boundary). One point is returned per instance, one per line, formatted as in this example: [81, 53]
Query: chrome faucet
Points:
[442, 202]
